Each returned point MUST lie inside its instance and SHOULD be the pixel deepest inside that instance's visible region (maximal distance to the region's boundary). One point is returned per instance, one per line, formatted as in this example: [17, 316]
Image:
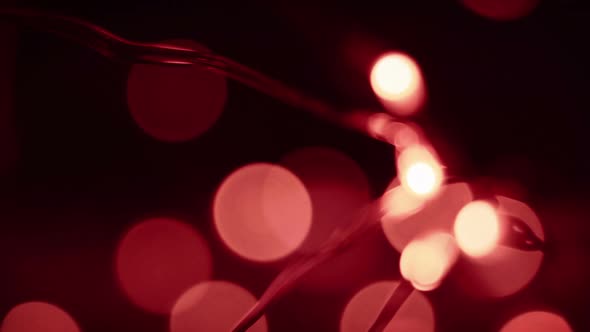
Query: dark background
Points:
[507, 100]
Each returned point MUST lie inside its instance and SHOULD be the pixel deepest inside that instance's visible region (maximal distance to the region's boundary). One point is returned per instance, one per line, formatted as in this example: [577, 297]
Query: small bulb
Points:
[396, 79]
[419, 170]
[477, 229]
[426, 261]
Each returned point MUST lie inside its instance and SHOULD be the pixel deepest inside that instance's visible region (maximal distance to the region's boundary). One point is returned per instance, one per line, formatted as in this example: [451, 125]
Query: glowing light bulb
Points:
[396, 78]
[477, 229]
[421, 178]
[426, 261]
[420, 172]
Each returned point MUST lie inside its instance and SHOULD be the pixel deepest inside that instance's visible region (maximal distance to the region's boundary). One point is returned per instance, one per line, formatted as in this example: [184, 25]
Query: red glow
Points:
[38, 317]
[426, 260]
[158, 259]
[399, 134]
[538, 321]
[337, 186]
[438, 215]
[397, 80]
[477, 228]
[501, 9]
[415, 314]
[505, 271]
[214, 306]
[262, 212]
[175, 103]
[397, 203]
[420, 171]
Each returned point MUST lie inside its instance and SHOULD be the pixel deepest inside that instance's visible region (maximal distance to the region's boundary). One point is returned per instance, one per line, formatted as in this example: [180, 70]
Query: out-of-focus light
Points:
[538, 321]
[438, 215]
[158, 259]
[214, 306]
[175, 104]
[336, 184]
[501, 9]
[420, 172]
[505, 271]
[338, 189]
[38, 317]
[415, 314]
[426, 260]
[397, 80]
[421, 178]
[262, 212]
[397, 203]
[401, 135]
[477, 229]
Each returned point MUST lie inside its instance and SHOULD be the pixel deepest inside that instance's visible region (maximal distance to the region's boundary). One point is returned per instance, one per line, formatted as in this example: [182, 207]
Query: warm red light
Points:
[337, 186]
[338, 189]
[438, 215]
[262, 212]
[397, 80]
[419, 170]
[214, 306]
[501, 9]
[38, 317]
[426, 260]
[397, 203]
[477, 229]
[416, 314]
[505, 271]
[175, 104]
[158, 259]
[399, 134]
[538, 321]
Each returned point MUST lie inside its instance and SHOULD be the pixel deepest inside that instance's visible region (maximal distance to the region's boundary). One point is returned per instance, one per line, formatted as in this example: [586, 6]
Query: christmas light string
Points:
[379, 125]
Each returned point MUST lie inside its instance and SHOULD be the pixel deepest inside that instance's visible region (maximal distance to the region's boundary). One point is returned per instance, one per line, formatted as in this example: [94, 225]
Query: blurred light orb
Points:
[477, 229]
[538, 321]
[426, 260]
[506, 270]
[339, 190]
[397, 203]
[262, 212]
[421, 178]
[415, 314]
[396, 78]
[38, 317]
[407, 216]
[158, 259]
[336, 184]
[214, 306]
[420, 172]
[175, 103]
[502, 10]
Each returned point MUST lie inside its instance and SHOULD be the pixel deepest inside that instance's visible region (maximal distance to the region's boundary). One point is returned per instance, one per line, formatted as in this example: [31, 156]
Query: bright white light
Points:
[426, 261]
[395, 76]
[421, 178]
[420, 172]
[477, 229]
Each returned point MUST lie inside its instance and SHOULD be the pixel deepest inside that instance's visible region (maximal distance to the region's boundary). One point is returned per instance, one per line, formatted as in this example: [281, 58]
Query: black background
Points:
[507, 100]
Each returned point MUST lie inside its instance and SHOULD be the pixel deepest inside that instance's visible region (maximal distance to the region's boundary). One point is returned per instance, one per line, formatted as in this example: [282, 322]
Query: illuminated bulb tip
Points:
[395, 77]
[477, 229]
[426, 261]
[421, 178]
[421, 173]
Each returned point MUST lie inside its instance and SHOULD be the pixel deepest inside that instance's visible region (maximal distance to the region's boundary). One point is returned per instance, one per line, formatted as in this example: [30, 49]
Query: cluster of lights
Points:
[265, 212]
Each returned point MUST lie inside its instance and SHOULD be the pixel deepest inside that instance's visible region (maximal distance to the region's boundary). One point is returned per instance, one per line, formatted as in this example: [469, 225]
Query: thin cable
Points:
[120, 49]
